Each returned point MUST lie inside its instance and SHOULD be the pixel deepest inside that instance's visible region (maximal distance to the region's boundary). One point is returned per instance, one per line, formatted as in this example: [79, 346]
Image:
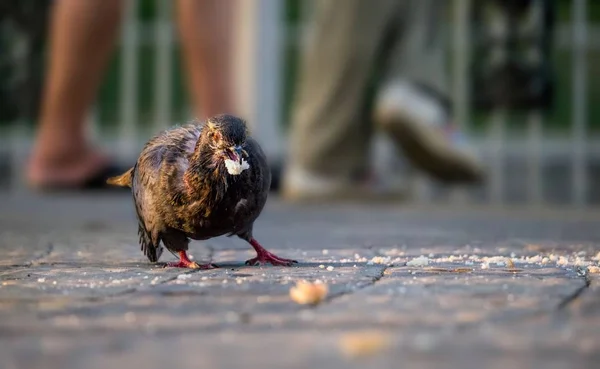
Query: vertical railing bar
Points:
[162, 67]
[497, 127]
[460, 67]
[258, 71]
[18, 131]
[461, 55]
[420, 186]
[497, 135]
[93, 123]
[534, 180]
[579, 108]
[303, 29]
[306, 10]
[128, 88]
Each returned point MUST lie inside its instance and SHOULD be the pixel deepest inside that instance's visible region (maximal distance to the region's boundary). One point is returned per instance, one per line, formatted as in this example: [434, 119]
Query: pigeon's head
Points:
[226, 136]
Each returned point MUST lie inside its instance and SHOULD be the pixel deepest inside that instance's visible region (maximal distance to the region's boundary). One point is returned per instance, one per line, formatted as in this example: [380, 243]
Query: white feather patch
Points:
[235, 167]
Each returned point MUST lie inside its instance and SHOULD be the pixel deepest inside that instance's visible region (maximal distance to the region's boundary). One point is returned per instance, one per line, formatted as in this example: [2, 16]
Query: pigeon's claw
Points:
[265, 257]
[270, 259]
[190, 265]
[185, 262]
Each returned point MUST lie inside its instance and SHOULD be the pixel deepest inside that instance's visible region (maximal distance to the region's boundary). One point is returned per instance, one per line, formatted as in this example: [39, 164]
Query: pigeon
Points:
[198, 181]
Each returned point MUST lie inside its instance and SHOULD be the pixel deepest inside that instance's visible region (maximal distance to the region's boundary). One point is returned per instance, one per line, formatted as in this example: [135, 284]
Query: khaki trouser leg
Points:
[412, 117]
[331, 128]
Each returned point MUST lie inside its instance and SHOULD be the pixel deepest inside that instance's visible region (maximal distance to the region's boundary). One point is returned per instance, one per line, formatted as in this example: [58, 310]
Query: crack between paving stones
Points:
[352, 291]
[166, 280]
[372, 283]
[108, 297]
[570, 299]
[37, 260]
[151, 286]
[211, 251]
[458, 328]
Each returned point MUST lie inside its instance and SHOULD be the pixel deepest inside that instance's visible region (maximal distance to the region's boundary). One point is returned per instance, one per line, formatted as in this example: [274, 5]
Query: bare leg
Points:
[185, 262]
[205, 28]
[82, 35]
[263, 256]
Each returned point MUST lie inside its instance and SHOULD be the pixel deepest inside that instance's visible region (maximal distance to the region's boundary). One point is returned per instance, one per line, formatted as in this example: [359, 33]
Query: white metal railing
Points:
[257, 69]
[579, 123]
[260, 41]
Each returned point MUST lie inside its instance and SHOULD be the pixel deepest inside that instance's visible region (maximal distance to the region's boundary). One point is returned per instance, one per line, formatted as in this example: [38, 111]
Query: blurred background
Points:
[523, 80]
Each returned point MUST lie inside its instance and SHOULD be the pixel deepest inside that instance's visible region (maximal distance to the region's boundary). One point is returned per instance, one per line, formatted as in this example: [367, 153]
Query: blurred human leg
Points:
[81, 37]
[413, 104]
[206, 29]
[331, 128]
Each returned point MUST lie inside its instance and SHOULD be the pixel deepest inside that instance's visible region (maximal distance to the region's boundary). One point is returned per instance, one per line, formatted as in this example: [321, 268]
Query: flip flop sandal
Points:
[94, 183]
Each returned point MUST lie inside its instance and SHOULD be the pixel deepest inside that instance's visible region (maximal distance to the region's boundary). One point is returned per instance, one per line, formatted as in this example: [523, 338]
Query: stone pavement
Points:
[408, 287]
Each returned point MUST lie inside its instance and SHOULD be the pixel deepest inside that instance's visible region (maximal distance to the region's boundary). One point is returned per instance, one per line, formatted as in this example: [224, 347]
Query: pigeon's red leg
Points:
[185, 262]
[263, 256]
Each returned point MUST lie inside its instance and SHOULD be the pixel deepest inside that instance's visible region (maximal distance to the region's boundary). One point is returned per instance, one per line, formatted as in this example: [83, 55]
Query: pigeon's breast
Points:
[234, 214]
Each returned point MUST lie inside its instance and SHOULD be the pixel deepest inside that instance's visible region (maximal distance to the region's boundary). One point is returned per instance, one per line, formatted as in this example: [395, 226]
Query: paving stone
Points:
[443, 288]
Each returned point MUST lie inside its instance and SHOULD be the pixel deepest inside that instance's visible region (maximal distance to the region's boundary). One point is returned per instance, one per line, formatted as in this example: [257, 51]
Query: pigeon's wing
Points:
[151, 249]
[157, 183]
[147, 227]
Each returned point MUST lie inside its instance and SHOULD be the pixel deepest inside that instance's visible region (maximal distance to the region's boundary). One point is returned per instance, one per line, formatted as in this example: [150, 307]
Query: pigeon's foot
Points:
[185, 262]
[190, 265]
[271, 259]
[263, 257]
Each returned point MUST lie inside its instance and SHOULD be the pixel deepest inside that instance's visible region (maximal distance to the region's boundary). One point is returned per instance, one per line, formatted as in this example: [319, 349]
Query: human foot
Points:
[70, 170]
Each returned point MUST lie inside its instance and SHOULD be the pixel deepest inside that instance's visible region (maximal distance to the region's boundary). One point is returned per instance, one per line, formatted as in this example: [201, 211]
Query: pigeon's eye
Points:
[216, 136]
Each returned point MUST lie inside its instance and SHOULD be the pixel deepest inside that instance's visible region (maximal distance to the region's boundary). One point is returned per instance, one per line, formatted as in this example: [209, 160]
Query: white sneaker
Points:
[420, 126]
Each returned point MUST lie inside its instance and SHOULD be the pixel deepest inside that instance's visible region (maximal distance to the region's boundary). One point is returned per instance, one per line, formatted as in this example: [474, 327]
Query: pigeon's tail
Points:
[124, 180]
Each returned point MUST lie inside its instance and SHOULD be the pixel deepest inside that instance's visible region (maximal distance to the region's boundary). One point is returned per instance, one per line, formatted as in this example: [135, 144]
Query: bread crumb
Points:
[420, 261]
[532, 259]
[235, 167]
[305, 292]
[510, 264]
[593, 269]
[330, 268]
[497, 260]
[380, 260]
[367, 343]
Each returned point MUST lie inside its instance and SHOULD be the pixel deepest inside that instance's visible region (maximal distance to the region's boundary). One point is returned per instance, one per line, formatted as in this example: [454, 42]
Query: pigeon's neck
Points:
[204, 164]
[205, 178]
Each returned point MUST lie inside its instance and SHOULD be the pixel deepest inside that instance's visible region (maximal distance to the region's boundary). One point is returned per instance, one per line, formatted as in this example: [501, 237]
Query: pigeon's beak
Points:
[236, 153]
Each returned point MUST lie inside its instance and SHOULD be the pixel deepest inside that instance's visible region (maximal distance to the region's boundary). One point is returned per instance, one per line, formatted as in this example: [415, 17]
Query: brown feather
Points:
[182, 190]
[124, 180]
